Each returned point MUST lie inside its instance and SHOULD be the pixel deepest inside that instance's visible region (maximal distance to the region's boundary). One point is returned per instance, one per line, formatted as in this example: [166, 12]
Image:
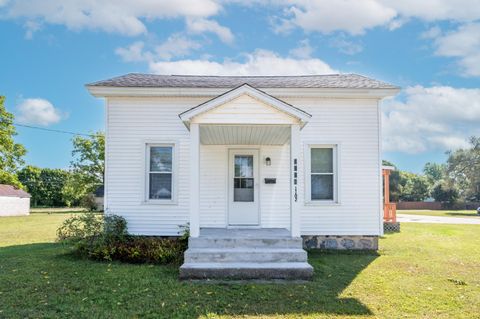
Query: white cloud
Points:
[434, 10]
[116, 16]
[260, 62]
[327, 16]
[303, 51]
[201, 25]
[432, 33]
[355, 17]
[464, 44]
[175, 46]
[134, 53]
[38, 111]
[345, 46]
[433, 118]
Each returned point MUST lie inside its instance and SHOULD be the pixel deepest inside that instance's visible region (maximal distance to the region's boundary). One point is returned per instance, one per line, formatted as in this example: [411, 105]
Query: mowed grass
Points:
[426, 271]
[443, 213]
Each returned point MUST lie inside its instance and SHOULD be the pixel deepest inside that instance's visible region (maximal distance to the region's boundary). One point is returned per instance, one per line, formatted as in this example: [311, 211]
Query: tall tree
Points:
[463, 167]
[29, 176]
[46, 185]
[413, 187]
[434, 172]
[11, 153]
[89, 159]
[445, 192]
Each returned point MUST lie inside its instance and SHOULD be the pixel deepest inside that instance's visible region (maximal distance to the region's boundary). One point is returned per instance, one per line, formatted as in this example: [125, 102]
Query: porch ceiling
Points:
[244, 134]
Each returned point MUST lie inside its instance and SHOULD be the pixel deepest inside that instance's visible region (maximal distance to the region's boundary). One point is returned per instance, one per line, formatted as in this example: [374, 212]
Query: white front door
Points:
[243, 188]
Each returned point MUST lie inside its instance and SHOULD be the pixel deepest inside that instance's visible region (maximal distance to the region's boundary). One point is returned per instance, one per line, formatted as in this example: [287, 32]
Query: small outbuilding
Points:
[13, 201]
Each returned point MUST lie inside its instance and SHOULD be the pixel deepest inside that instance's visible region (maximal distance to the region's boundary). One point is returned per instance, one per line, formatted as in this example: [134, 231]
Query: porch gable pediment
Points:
[245, 105]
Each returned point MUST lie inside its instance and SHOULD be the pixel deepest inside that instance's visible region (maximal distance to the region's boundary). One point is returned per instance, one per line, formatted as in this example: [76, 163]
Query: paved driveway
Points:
[404, 218]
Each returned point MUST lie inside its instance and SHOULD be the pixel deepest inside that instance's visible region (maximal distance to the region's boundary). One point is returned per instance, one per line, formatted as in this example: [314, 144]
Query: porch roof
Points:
[291, 111]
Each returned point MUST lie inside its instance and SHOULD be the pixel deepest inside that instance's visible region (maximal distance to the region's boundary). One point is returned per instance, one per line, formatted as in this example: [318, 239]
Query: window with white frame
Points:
[323, 173]
[160, 170]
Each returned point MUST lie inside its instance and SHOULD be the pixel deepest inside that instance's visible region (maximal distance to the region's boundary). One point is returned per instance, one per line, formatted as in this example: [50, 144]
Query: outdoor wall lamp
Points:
[268, 161]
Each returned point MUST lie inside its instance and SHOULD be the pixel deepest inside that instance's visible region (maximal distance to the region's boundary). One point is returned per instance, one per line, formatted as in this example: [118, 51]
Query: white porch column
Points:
[294, 180]
[194, 180]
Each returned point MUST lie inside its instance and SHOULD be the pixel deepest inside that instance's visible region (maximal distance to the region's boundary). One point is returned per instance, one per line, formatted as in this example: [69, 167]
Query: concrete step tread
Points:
[247, 265]
[245, 250]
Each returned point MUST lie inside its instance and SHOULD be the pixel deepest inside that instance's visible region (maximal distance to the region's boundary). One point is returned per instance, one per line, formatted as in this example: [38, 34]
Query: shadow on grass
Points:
[45, 280]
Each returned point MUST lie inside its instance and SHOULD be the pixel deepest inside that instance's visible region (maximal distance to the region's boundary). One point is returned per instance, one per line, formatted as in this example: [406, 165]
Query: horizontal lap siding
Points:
[132, 123]
[354, 125]
[274, 199]
[244, 109]
[213, 185]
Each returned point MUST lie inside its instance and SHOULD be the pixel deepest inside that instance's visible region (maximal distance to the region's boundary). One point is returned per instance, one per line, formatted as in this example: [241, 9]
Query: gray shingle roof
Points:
[347, 81]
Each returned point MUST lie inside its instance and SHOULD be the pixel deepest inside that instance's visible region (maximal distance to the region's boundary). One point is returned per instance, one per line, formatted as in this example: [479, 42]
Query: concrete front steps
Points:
[245, 254]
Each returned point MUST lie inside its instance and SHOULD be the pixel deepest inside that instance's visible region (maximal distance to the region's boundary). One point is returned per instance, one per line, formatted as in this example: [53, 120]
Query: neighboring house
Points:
[13, 201]
[250, 163]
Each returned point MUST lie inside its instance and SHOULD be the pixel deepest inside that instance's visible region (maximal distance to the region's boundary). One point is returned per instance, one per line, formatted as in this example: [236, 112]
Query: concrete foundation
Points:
[331, 242]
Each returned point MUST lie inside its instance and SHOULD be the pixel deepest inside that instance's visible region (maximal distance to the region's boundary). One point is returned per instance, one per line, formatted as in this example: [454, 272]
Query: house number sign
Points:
[295, 194]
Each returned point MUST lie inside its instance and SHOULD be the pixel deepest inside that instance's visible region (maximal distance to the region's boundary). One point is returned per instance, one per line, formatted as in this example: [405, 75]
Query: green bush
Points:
[88, 202]
[108, 239]
[80, 227]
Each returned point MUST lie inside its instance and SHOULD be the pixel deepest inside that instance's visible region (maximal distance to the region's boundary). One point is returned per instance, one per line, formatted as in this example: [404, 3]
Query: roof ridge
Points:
[242, 76]
[337, 80]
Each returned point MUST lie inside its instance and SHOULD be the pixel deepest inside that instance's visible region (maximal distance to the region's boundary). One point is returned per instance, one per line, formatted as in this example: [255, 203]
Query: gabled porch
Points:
[244, 188]
[237, 131]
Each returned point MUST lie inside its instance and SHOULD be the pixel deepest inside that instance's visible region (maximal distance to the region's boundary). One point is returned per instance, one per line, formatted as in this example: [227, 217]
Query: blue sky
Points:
[52, 48]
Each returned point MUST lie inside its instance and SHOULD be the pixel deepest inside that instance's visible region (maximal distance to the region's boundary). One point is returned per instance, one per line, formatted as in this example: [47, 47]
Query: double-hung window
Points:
[160, 172]
[323, 173]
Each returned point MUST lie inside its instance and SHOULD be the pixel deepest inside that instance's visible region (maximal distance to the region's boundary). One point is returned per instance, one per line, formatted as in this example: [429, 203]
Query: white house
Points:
[243, 158]
[13, 201]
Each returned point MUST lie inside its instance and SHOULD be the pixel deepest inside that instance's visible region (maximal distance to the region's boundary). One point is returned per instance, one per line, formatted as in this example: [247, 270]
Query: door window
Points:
[243, 182]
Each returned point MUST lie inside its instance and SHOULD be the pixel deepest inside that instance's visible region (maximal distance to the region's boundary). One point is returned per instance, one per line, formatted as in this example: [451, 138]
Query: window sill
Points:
[322, 203]
[159, 202]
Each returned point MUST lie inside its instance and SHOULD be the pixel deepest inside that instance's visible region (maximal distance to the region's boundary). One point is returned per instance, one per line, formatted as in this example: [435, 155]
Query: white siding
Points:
[350, 123]
[131, 124]
[14, 206]
[353, 125]
[244, 109]
[274, 198]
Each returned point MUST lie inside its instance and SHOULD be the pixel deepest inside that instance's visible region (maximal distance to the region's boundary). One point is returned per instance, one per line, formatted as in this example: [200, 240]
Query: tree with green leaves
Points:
[29, 176]
[463, 168]
[53, 181]
[11, 153]
[75, 189]
[89, 160]
[413, 187]
[45, 185]
[434, 172]
[445, 192]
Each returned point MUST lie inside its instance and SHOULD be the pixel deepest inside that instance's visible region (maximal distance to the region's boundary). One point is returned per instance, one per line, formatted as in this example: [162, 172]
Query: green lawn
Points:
[426, 271]
[445, 213]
